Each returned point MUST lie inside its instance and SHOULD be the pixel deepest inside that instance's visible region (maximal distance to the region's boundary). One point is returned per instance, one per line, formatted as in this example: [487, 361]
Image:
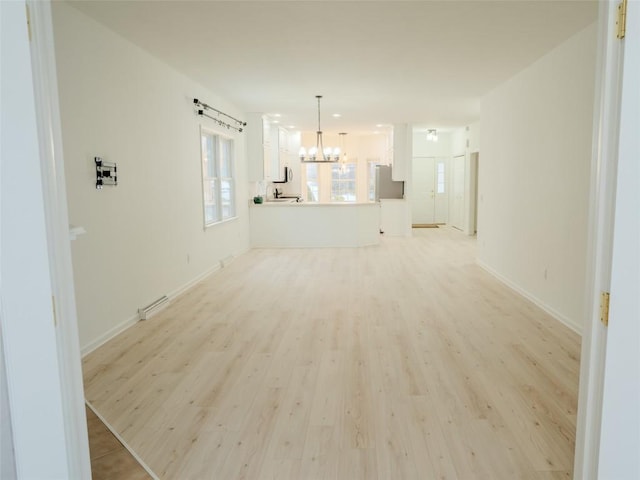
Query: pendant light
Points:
[319, 154]
[343, 156]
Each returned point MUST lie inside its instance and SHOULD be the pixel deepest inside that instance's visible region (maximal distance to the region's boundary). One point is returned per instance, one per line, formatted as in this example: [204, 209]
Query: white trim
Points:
[59, 243]
[40, 342]
[132, 320]
[566, 321]
[109, 334]
[221, 222]
[191, 283]
[129, 322]
[599, 245]
[619, 452]
[123, 442]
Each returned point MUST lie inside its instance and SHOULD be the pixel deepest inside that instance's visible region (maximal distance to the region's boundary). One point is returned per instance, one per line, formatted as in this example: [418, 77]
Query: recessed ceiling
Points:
[426, 63]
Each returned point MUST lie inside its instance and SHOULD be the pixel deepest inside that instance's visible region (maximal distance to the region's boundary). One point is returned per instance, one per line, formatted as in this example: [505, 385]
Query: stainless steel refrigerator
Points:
[386, 187]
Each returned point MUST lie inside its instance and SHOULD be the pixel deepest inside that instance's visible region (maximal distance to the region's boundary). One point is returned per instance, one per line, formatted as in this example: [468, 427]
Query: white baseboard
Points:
[121, 327]
[225, 262]
[566, 321]
[183, 288]
[108, 335]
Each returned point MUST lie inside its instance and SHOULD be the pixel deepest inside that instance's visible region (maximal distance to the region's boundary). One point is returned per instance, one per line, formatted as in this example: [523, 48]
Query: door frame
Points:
[50, 362]
[474, 165]
[59, 243]
[602, 207]
[600, 241]
[620, 425]
[452, 192]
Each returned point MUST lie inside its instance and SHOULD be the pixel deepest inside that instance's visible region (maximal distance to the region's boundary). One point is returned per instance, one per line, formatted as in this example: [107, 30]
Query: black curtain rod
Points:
[207, 107]
[218, 121]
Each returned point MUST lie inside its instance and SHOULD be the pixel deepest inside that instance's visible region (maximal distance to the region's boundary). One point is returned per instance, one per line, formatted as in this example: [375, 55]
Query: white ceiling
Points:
[422, 62]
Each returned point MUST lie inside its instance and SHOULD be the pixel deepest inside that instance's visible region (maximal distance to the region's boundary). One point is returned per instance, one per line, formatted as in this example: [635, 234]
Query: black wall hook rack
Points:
[106, 173]
[201, 111]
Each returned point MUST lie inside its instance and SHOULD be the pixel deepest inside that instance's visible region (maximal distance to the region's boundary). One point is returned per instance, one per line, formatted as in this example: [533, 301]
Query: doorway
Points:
[430, 197]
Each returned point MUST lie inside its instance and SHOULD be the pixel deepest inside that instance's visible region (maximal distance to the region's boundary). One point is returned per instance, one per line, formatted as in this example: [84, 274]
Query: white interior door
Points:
[423, 191]
[457, 193]
[430, 194]
[620, 434]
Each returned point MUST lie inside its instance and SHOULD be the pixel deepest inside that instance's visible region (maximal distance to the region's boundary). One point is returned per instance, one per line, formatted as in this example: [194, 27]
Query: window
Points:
[440, 177]
[343, 182]
[312, 184]
[218, 186]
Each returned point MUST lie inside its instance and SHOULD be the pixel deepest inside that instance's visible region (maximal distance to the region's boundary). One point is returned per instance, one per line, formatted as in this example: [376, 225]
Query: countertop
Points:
[292, 202]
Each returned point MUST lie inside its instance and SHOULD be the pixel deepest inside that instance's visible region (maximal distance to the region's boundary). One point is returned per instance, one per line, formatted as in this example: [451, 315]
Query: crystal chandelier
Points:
[319, 153]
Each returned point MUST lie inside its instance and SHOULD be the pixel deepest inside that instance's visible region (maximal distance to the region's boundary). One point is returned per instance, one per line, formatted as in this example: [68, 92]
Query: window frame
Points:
[217, 179]
[305, 182]
[343, 181]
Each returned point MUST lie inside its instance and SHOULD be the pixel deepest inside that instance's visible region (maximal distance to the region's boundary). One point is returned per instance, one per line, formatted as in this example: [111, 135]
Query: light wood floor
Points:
[403, 361]
[109, 458]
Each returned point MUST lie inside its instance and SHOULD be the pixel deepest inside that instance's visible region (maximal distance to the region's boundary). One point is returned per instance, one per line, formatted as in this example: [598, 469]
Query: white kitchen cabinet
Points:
[270, 148]
[259, 147]
[394, 218]
[267, 148]
[280, 148]
[281, 153]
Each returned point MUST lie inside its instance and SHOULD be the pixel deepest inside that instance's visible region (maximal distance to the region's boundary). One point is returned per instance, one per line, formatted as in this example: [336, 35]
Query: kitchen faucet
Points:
[276, 193]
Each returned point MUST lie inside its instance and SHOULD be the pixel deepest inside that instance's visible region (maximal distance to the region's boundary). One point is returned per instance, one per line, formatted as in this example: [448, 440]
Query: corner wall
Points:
[534, 178]
[145, 237]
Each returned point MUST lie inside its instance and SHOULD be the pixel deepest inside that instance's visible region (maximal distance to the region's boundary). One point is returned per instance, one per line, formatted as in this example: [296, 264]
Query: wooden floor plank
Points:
[404, 360]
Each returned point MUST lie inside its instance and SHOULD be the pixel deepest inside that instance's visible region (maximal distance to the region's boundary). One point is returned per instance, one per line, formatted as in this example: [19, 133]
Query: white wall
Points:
[422, 148]
[145, 237]
[534, 177]
[474, 137]
[464, 142]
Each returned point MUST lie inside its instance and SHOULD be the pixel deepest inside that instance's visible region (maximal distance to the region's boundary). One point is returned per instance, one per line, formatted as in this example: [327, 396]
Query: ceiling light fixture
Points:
[319, 153]
[432, 135]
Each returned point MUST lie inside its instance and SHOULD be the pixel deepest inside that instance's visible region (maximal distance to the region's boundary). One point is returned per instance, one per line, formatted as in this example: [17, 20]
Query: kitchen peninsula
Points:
[291, 224]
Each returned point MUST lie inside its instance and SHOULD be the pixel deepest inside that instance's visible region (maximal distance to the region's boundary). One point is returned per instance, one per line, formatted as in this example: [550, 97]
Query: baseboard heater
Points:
[154, 307]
